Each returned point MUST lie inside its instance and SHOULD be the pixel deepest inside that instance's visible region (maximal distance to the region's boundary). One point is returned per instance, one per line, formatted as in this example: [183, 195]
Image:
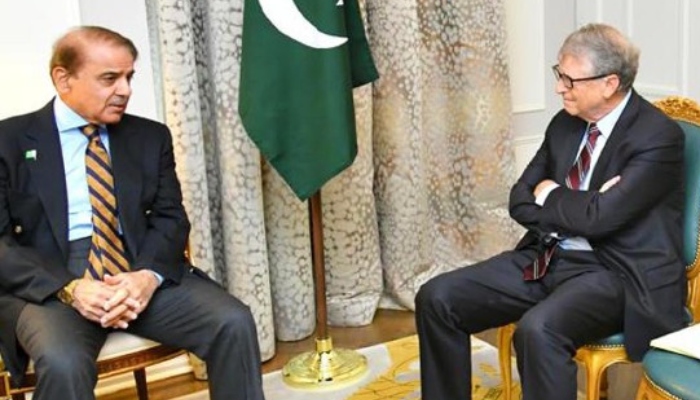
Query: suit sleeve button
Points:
[18, 229]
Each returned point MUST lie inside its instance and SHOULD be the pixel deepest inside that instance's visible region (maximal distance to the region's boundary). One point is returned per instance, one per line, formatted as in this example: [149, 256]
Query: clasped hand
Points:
[117, 300]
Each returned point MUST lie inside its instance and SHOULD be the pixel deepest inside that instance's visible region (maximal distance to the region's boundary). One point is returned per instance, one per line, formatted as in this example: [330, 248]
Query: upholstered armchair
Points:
[597, 357]
[669, 375]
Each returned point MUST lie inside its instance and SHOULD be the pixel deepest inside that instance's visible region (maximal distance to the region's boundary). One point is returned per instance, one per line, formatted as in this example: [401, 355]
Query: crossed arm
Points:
[644, 170]
[548, 183]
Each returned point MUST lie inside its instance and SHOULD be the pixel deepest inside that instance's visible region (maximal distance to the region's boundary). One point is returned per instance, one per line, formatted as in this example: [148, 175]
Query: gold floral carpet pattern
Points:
[394, 374]
[402, 379]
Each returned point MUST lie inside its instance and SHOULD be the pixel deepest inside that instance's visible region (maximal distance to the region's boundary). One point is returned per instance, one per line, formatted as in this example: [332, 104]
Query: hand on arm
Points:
[545, 184]
[610, 183]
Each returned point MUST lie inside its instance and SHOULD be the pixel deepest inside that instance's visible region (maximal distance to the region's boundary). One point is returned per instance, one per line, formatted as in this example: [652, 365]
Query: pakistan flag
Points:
[300, 61]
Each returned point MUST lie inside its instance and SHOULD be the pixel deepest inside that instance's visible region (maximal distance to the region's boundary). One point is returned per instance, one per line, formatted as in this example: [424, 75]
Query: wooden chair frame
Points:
[135, 362]
[649, 391]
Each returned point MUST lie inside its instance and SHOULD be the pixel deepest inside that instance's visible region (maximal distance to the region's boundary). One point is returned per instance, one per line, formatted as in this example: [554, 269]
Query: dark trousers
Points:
[577, 302]
[197, 315]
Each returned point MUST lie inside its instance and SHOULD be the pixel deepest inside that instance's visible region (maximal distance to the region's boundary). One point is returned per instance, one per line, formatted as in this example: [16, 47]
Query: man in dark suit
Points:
[54, 308]
[602, 199]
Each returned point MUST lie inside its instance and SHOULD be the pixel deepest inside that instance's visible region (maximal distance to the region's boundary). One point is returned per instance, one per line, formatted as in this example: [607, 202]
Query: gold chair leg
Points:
[596, 362]
[604, 385]
[593, 377]
[505, 338]
[643, 390]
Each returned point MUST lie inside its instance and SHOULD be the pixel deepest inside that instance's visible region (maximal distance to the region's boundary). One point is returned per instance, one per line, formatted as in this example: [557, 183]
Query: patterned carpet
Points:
[393, 375]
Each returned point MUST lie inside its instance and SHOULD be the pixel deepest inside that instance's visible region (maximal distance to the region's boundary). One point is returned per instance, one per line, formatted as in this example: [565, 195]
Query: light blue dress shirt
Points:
[73, 147]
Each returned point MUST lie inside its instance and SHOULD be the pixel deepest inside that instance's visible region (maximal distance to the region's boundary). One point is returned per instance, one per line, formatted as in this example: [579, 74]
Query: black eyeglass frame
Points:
[569, 81]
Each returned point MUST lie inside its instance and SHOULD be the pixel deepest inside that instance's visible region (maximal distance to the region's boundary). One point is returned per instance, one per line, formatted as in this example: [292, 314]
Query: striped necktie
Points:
[576, 176]
[107, 254]
[583, 163]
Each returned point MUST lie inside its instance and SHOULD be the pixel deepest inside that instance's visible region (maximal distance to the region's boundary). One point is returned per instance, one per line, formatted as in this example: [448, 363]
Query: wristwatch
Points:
[66, 293]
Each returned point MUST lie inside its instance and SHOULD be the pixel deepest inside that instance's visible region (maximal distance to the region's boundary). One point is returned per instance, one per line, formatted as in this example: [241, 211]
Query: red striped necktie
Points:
[107, 254]
[583, 163]
[576, 176]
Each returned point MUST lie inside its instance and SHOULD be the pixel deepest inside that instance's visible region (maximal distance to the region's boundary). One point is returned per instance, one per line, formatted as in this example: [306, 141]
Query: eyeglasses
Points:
[569, 81]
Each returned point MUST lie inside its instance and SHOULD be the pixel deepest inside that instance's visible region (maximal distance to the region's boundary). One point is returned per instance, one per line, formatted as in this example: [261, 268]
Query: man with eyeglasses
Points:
[602, 202]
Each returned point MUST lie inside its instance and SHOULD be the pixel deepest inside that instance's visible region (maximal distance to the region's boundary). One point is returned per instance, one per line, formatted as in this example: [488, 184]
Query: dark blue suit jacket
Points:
[34, 211]
[635, 228]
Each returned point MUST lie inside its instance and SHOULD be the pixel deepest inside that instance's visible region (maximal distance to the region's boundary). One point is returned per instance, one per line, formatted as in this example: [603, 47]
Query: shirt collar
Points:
[607, 123]
[66, 118]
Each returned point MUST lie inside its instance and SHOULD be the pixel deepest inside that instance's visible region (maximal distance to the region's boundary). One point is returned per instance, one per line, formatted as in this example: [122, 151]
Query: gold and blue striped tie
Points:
[107, 254]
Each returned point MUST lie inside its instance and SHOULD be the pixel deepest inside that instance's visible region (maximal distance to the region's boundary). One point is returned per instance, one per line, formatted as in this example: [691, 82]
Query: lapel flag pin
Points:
[30, 154]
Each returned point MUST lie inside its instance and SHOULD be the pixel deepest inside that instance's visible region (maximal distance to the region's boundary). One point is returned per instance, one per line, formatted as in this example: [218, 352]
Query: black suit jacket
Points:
[34, 211]
[635, 228]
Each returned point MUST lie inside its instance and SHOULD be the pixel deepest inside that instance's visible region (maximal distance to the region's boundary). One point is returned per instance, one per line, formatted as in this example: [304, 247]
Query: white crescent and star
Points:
[286, 17]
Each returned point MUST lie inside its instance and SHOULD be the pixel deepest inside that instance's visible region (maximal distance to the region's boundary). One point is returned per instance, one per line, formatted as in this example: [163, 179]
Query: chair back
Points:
[687, 113]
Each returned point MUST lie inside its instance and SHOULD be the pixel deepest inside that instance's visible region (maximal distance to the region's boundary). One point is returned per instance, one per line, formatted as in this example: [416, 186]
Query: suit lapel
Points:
[125, 159]
[47, 171]
[628, 115]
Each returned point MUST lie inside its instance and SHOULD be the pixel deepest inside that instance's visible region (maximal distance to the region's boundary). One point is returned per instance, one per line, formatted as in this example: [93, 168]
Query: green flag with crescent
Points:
[300, 60]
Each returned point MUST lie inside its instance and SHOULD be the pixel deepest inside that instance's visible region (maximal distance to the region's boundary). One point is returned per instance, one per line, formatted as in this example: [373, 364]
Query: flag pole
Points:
[325, 367]
[318, 261]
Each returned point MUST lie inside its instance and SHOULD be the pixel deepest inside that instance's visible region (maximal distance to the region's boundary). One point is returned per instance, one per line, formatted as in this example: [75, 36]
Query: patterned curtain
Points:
[426, 194]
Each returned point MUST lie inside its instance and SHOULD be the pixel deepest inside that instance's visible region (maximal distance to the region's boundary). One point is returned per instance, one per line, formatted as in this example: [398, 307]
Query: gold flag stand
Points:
[326, 367]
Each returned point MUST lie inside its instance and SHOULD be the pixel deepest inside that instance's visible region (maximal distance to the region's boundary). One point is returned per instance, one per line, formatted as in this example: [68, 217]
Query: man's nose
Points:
[124, 87]
[559, 86]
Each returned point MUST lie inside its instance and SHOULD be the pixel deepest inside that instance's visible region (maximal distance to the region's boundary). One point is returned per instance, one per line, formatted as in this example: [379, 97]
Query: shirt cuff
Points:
[158, 277]
[542, 197]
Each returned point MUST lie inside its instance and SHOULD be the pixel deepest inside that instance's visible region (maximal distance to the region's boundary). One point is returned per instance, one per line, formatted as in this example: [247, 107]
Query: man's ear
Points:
[612, 84]
[61, 79]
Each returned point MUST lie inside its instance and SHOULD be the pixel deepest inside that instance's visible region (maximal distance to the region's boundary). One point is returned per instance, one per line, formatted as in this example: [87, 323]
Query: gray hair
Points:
[608, 51]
